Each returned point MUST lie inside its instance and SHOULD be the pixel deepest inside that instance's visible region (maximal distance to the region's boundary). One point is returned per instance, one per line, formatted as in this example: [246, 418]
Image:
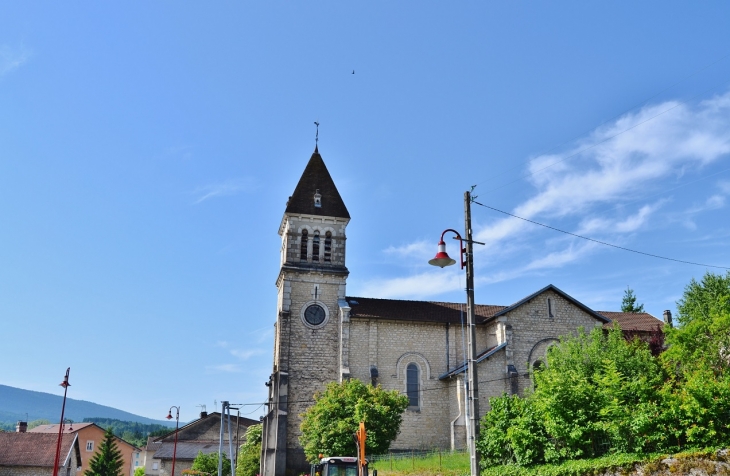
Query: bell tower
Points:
[311, 307]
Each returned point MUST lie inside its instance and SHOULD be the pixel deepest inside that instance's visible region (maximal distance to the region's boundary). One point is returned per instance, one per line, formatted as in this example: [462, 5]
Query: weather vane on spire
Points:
[316, 137]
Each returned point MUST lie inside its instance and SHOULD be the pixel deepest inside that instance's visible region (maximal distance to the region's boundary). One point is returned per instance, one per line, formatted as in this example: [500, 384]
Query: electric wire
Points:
[599, 241]
[434, 389]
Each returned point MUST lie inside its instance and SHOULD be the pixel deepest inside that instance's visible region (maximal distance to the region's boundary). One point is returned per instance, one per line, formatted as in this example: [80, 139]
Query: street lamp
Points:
[177, 424]
[65, 386]
[443, 259]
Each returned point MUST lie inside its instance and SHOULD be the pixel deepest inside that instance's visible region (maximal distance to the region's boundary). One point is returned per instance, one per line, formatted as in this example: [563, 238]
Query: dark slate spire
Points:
[316, 180]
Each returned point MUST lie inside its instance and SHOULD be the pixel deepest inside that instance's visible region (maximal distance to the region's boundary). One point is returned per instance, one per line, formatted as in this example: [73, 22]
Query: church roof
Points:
[317, 177]
[633, 321]
[565, 295]
[420, 311]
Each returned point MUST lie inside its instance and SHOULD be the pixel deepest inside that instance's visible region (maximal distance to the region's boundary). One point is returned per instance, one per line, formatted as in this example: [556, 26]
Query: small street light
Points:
[177, 425]
[65, 386]
[443, 259]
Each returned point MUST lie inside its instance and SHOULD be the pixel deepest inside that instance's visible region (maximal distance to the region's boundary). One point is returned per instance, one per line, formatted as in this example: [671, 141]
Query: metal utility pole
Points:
[473, 388]
[224, 405]
[65, 386]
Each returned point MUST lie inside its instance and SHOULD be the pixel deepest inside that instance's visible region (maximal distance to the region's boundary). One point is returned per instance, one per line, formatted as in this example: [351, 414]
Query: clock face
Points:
[314, 315]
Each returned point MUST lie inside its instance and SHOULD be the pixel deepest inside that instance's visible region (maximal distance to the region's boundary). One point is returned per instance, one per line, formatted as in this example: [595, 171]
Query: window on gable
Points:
[303, 247]
[315, 246]
[550, 308]
[328, 247]
[412, 385]
[89, 446]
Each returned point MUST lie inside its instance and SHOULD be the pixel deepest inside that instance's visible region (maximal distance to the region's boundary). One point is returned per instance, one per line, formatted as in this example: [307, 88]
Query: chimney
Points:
[203, 414]
[21, 427]
[668, 318]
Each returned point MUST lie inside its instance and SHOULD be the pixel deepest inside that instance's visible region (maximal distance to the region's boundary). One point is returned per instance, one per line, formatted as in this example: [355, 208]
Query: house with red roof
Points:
[90, 436]
[34, 454]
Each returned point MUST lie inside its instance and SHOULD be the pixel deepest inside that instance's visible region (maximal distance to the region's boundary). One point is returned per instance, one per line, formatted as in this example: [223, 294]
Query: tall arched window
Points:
[315, 246]
[412, 385]
[328, 247]
[303, 247]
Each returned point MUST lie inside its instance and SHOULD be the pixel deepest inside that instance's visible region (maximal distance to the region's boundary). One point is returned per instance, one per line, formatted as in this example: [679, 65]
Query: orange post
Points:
[361, 435]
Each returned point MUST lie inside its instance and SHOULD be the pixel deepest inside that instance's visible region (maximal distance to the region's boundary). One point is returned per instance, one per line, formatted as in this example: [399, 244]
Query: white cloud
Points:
[616, 165]
[246, 354]
[12, 58]
[414, 287]
[226, 188]
[419, 248]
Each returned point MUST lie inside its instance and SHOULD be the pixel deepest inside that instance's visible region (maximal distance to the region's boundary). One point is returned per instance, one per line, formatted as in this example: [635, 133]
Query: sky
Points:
[147, 150]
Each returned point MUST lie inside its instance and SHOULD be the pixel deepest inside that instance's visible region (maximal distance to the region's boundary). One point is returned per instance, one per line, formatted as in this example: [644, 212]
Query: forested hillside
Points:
[27, 405]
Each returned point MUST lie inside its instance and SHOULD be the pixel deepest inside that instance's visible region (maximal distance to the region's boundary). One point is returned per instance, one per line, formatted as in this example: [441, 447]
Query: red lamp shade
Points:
[169, 415]
[442, 258]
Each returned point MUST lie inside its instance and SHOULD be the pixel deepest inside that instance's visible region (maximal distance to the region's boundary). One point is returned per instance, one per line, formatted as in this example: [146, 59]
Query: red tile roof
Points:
[419, 311]
[33, 449]
[53, 428]
[633, 321]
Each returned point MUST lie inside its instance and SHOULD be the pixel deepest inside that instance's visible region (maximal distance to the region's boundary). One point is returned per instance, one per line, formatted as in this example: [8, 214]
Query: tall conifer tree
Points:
[628, 304]
[108, 460]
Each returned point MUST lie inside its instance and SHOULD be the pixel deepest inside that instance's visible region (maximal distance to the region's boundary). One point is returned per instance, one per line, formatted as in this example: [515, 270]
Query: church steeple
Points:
[316, 180]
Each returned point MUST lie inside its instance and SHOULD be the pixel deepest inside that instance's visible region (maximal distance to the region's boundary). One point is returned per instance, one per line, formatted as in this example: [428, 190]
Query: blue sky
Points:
[147, 150]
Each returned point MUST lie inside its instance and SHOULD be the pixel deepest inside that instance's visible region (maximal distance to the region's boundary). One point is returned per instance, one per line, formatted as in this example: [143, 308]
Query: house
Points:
[417, 347]
[90, 436]
[34, 454]
[202, 435]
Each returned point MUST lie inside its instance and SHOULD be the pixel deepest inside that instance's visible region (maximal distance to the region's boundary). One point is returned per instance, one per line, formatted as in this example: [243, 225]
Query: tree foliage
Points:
[108, 460]
[602, 393]
[139, 471]
[131, 431]
[628, 304]
[328, 425]
[249, 455]
[208, 464]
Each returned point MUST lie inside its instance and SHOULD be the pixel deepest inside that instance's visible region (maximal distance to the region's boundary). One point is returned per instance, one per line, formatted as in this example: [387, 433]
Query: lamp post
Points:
[443, 259]
[65, 386]
[177, 424]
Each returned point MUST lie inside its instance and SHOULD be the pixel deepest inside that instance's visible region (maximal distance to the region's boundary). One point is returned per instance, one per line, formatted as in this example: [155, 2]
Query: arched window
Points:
[412, 385]
[303, 248]
[315, 246]
[328, 247]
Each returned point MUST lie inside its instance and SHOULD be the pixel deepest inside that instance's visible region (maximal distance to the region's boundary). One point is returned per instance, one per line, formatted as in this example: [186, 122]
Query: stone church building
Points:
[417, 347]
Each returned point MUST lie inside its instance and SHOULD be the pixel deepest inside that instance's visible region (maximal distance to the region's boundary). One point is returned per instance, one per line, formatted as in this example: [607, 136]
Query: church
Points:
[417, 347]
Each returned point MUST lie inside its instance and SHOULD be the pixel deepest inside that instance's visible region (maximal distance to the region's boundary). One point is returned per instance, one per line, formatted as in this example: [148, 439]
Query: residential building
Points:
[34, 454]
[201, 435]
[90, 437]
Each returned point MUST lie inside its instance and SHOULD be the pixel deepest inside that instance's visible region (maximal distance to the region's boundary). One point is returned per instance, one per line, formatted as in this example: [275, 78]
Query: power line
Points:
[601, 242]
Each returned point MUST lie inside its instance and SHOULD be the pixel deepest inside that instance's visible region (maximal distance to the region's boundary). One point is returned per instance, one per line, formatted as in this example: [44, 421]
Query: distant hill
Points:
[16, 402]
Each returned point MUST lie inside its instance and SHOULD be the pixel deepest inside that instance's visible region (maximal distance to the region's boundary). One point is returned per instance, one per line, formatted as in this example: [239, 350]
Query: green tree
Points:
[328, 425]
[139, 471]
[628, 304]
[249, 455]
[35, 423]
[698, 361]
[208, 464]
[108, 459]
